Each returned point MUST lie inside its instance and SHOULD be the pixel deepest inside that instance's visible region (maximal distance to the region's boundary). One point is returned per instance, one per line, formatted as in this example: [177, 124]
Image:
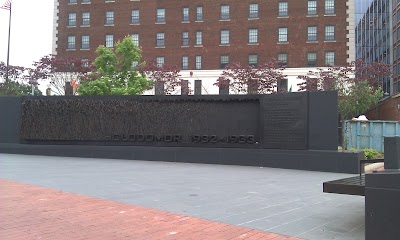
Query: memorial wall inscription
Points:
[278, 121]
[135, 121]
[285, 120]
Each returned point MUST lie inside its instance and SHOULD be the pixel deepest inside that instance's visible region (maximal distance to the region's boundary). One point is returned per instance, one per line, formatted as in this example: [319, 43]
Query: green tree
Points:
[358, 99]
[18, 83]
[115, 72]
[11, 88]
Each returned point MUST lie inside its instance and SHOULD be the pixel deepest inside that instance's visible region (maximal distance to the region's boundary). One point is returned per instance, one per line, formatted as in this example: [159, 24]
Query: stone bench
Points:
[382, 194]
[352, 185]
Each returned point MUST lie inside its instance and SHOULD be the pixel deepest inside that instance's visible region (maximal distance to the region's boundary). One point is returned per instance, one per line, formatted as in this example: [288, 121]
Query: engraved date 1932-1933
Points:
[242, 139]
[177, 138]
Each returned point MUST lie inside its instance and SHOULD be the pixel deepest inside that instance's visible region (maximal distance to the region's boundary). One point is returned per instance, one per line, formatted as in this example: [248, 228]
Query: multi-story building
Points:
[395, 16]
[374, 36]
[203, 36]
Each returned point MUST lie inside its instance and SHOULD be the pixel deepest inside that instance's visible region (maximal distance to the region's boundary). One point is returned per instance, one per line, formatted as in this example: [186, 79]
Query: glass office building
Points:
[374, 36]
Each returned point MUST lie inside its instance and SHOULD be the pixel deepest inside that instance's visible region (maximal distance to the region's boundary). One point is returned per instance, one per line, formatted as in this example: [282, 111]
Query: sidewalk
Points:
[281, 201]
[31, 212]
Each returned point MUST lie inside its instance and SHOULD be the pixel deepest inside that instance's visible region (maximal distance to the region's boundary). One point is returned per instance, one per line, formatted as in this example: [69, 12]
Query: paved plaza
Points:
[275, 202]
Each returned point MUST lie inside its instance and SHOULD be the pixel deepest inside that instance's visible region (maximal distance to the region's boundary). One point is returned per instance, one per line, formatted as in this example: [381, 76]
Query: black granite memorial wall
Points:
[281, 130]
[259, 121]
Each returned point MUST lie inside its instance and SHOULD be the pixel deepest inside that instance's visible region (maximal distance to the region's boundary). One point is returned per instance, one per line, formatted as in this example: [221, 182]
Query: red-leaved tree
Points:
[15, 73]
[263, 79]
[358, 85]
[168, 75]
[59, 71]
[340, 77]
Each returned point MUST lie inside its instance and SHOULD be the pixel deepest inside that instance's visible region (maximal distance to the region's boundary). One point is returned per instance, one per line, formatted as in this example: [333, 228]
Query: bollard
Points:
[184, 87]
[197, 87]
[159, 88]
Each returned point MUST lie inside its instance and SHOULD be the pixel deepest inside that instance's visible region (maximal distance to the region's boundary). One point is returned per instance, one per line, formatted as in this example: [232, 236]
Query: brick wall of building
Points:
[238, 50]
[387, 110]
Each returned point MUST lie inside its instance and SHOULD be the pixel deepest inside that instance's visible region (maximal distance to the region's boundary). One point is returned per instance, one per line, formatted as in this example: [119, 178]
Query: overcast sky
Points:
[31, 31]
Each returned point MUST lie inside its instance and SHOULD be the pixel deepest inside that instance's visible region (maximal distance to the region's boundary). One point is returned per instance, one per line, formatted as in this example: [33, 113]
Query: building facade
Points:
[204, 35]
[395, 16]
[374, 35]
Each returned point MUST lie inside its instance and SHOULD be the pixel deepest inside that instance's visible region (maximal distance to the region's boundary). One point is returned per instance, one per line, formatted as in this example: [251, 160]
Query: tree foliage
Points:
[357, 85]
[15, 73]
[59, 71]
[263, 79]
[114, 71]
[18, 81]
[12, 88]
[166, 74]
[358, 99]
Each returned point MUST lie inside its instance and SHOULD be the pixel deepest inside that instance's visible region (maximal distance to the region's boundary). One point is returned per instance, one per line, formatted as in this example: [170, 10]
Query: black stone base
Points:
[382, 205]
[313, 160]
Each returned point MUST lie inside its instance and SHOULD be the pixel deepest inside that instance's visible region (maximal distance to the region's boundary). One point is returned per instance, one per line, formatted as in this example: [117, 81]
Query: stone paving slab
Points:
[31, 212]
[281, 201]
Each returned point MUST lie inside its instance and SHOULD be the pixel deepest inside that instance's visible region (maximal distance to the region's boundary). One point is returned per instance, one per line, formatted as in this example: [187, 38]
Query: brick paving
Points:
[32, 212]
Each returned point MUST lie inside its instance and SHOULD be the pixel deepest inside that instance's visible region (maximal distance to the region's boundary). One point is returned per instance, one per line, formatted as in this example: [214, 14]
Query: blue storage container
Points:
[369, 134]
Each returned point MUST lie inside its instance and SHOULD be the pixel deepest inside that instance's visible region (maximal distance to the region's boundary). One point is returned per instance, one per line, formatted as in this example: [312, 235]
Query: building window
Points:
[199, 13]
[109, 40]
[71, 42]
[198, 62]
[283, 58]
[253, 10]
[311, 59]
[135, 38]
[185, 14]
[85, 42]
[283, 34]
[199, 38]
[253, 60]
[185, 39]
[329, 33]
[329, 7]
[71, 19]
[398, 15]
[312, 7]
[329, 58]
[85, 1]
[85, 18]
[225, 12]
[283, 9]
[253, 35]
[71, 1]
[135, 17]
[109, 17]
[312, 33]
[160, 61]
[224, 37]
[160, 40]
[224, 61]
[185, 62]
[160, 15]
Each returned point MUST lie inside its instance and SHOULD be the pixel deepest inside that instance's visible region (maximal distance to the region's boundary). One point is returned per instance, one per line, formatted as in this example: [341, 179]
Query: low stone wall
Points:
[312, 160]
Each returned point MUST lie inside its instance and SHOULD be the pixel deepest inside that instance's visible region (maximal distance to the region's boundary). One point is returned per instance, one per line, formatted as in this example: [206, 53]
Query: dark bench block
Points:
[382, 205]
[351, 186]
[392, 152]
